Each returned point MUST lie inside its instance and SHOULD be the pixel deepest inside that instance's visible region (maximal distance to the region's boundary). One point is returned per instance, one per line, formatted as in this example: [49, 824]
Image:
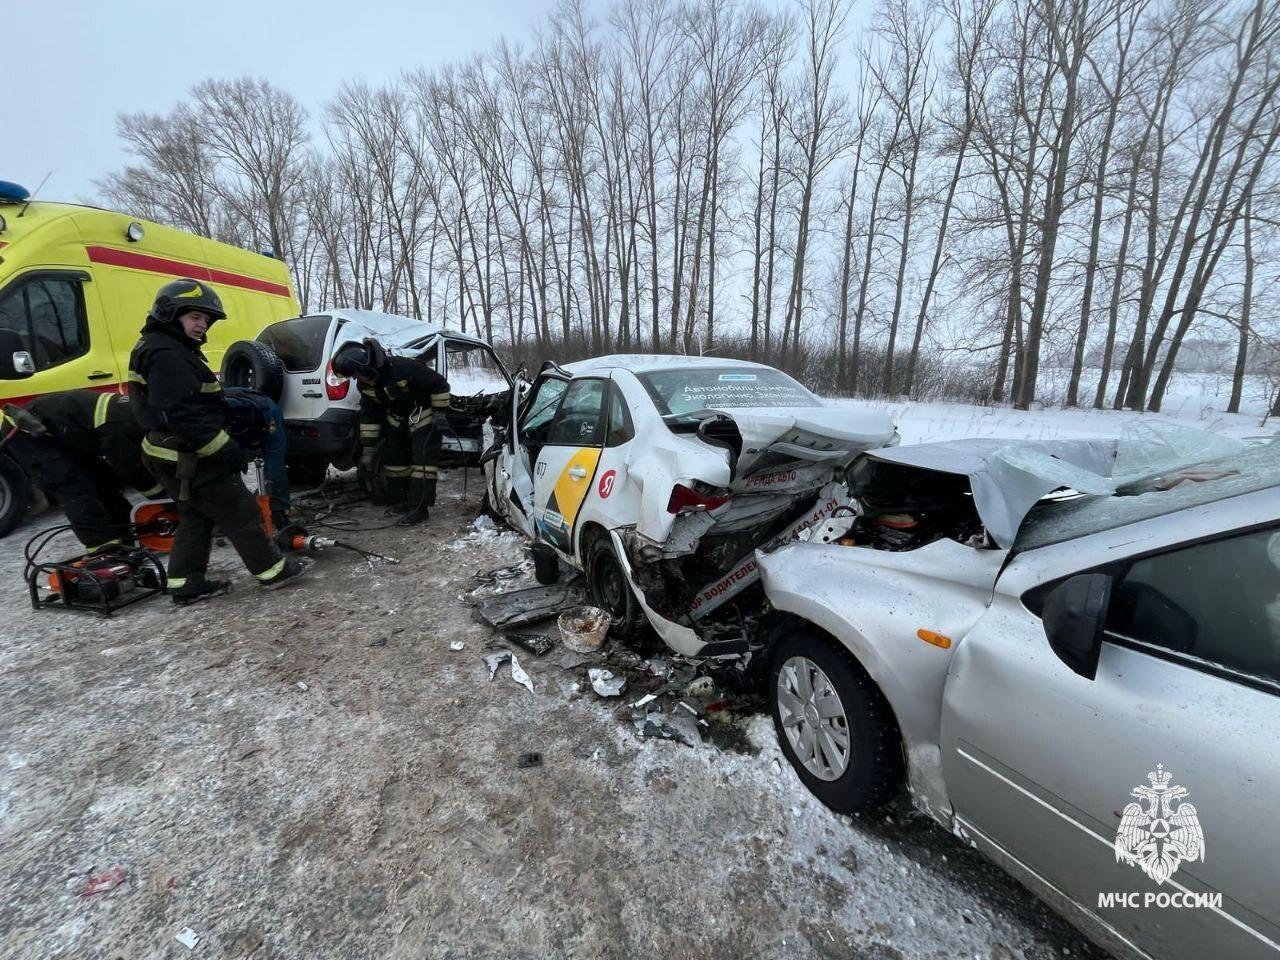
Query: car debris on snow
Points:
[527, 760]
[102, 882]
[516, 608]
[495, 660]
[605, 683]
[457, 645]
[518, 674]
[536, 643]
[187, 937]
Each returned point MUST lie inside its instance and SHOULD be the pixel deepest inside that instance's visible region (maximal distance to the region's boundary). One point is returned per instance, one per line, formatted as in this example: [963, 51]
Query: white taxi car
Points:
[660, 476]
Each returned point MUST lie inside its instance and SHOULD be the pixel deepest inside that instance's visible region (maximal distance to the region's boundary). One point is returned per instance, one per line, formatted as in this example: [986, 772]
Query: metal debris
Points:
[519, 676]
[515, 608]
[495, 660]
[527, 760]
[187, 937]
[604, 683]
[456, 646]
[302, 686]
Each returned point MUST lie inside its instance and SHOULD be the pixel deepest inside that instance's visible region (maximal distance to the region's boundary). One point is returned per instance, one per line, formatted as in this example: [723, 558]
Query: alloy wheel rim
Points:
[813, 718]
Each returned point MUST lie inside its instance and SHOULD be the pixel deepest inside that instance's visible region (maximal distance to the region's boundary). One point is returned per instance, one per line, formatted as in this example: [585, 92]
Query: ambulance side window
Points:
[47, 313]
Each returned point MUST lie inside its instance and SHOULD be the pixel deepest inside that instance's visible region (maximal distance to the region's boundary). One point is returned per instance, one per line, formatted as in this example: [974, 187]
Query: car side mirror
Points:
[15, 360]
[1074, 616]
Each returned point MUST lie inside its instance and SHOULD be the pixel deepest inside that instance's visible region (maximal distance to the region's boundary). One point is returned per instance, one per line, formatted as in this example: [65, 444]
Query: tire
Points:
[15, 494]
[248, 363]
[607, 584]
[306, 472]
[869, 771]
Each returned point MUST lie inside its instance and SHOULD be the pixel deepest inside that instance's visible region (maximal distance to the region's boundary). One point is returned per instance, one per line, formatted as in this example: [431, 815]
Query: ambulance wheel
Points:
[248, 363]
[15, 495]
[611, 593]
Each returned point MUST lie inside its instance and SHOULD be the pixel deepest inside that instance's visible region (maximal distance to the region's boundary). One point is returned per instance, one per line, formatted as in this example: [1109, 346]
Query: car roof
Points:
[652, 362]
[395, 330]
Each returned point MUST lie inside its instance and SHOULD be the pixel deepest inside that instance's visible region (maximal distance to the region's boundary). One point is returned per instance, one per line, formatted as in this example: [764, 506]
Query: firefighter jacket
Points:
[97, 425]
[178, 400]
[405, 392]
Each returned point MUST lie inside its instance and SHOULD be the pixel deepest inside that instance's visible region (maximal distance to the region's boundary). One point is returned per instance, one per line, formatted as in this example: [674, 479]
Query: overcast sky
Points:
[71, 66]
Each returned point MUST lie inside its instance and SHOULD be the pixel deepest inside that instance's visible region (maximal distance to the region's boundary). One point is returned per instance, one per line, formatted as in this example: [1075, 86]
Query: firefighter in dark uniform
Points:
[403, 407]
[82, 449]
[179, 402]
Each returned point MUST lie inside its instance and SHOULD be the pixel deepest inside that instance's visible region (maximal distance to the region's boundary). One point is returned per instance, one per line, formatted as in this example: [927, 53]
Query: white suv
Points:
[291, 362]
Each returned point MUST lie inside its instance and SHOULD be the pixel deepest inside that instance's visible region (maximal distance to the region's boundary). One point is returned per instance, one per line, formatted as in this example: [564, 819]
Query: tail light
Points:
[686, 499]
[334, 385]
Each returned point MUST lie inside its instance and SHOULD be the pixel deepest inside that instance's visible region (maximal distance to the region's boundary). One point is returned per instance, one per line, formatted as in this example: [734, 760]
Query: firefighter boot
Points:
[193, 591]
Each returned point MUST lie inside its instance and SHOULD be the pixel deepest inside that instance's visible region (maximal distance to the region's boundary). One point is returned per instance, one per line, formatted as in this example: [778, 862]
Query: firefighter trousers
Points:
[410, 458]
[217, 500]
[85, 487]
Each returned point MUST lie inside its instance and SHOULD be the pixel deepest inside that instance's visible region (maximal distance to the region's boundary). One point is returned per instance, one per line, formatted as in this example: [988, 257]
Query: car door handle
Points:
[100, 375]
[314, 395]
[578, 473]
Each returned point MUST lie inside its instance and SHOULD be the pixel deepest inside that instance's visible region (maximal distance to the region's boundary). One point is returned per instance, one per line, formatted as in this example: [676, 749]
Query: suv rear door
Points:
[304, 346]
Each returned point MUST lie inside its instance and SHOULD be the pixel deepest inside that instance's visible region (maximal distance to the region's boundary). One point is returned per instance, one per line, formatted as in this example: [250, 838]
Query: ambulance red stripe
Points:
[177, 268]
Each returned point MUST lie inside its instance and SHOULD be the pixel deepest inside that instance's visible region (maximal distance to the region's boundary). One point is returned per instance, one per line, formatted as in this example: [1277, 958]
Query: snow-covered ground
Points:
[924, 422]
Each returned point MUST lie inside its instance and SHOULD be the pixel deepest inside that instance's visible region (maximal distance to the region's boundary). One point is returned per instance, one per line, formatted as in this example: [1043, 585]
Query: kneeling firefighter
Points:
[83, 449]
[180, 403]
[403, 406]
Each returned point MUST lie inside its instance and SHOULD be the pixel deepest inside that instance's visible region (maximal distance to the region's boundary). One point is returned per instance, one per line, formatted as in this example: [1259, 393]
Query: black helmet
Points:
[356, 359]
[178, 296]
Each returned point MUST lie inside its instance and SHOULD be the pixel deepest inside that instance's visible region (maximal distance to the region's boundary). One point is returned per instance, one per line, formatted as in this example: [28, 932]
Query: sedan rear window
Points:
[680, 391]
[299, 343]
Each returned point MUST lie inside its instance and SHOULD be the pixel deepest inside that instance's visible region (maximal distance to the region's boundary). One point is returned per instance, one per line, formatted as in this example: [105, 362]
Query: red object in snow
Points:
[102, 882]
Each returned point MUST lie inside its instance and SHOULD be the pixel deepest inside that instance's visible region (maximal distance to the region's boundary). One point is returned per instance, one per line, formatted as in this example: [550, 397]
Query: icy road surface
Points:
[315, 773]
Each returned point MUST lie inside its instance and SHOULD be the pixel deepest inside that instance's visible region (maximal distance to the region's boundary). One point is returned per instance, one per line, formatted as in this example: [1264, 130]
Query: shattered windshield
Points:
[1152, 489]
[689, 389]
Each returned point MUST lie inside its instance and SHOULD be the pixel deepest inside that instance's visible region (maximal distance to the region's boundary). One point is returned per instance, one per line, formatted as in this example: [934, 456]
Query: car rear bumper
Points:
[333, 434]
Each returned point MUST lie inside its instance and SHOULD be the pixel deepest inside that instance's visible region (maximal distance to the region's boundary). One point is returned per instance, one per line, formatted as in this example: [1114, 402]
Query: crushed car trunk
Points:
[786, 467]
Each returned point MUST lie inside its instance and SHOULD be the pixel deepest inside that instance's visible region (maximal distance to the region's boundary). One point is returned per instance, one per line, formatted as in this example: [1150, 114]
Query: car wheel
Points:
[611, 592]
[306, 472]
[248, 363]
[833, 723]
[15, 494]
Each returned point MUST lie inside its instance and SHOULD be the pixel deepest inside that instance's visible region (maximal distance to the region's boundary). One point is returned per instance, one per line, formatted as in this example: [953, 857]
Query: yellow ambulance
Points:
[76, 283]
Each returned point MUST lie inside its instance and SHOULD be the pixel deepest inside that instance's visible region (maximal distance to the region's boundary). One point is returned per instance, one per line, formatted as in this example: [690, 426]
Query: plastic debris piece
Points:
[519, 676]
[535, 643]
[701, 687]
[660, 726]
[102, 882]
[456, 646]
[302, 686]
[495, 660]
[605, 683]
[646, 699]
[187, 937]
[526, 760]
